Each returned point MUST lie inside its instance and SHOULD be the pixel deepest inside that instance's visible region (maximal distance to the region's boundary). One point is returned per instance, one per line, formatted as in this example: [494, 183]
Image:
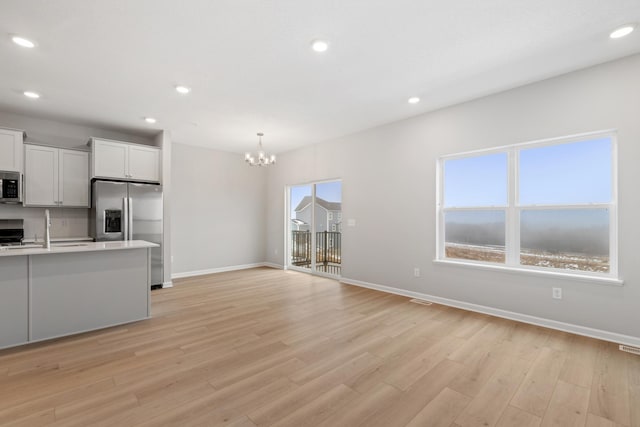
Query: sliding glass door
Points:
[300, 201]
[314, 232]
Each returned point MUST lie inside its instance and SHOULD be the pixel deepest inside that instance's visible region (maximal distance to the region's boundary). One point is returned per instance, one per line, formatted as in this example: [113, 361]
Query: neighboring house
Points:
[297, 225]
[328, 215]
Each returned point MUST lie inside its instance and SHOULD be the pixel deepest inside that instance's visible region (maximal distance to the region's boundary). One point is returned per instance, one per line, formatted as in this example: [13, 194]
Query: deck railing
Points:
[328, 250]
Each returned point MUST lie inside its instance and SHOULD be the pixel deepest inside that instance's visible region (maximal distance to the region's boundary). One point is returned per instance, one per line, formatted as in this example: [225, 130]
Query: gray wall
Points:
[218, 210]
[389, 177]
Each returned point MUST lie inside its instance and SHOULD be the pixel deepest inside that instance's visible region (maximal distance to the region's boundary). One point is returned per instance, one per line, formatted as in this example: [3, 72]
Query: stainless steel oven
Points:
[10, 187]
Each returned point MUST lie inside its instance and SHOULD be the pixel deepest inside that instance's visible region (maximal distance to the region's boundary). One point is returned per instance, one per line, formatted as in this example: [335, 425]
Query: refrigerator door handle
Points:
[130, 218]
[125, 211]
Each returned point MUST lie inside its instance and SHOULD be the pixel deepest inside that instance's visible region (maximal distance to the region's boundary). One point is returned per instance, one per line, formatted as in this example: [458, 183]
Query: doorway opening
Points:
[314, 231]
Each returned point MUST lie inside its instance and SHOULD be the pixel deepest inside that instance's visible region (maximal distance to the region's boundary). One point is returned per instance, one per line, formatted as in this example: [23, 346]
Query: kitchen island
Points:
[72, 288]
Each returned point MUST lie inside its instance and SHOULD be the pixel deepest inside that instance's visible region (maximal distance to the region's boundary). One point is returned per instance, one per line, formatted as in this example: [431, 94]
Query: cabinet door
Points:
[11, 150]
[74, 178]
[144, 163]
[41, 176]
[109, 159]
[14, 301]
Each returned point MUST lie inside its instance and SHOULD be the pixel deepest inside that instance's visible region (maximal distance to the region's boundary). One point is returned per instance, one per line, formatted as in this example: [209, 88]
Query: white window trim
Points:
[513, 209]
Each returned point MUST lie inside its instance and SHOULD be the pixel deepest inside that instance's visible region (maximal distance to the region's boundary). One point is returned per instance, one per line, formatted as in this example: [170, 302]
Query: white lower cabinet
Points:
[14, 302]
[56, 177]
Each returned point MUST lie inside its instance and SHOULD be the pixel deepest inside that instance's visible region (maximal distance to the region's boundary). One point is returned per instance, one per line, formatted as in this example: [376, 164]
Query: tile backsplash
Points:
[65, 222]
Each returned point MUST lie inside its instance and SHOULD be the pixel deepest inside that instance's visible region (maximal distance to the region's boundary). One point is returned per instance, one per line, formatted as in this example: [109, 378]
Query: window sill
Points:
[599, 280]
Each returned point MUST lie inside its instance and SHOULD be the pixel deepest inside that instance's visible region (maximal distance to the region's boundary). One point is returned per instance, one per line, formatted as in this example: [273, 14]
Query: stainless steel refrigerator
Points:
[129, 211]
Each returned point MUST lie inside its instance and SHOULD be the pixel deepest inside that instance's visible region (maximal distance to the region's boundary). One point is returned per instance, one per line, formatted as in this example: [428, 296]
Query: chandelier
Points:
[262, 158]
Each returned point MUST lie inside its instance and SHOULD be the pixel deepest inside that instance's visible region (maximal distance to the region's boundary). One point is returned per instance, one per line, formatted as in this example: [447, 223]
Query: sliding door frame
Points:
[312, 228]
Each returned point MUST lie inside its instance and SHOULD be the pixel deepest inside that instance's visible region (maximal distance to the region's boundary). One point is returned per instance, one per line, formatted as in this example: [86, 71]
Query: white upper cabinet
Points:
[41, 176]
[11, 147]
[144, 163]
[56, 177]
[110, 159]
[121, 160]
[74, 178]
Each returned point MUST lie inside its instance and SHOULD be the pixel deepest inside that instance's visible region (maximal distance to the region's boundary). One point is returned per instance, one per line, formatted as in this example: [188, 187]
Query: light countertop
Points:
[60, 239]
[58, 248]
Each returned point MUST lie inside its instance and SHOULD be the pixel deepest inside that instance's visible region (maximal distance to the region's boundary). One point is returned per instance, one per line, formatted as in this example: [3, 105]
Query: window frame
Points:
[513, 210]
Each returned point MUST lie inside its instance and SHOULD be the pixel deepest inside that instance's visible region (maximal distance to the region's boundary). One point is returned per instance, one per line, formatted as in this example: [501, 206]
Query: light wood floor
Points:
[267, 347]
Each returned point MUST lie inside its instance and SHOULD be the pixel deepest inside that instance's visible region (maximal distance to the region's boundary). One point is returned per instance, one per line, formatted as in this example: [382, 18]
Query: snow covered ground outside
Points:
[567, 261]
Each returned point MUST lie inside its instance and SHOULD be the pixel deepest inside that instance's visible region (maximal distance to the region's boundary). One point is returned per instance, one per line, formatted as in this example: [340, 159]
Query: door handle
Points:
[130, 218]
[125, 211]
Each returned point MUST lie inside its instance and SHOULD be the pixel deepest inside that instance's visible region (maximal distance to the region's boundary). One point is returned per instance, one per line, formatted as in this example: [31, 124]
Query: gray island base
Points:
[66, 290]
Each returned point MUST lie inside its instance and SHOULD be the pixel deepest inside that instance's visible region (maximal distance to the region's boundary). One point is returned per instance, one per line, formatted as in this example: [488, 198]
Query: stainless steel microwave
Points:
[10, 187]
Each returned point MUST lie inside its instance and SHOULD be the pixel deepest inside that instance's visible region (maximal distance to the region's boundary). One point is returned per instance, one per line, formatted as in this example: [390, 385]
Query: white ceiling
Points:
[249, 62]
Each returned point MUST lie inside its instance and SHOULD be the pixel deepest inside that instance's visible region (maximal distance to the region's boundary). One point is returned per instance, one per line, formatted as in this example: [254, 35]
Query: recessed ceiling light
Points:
[32, 95]
[319, 45]
[149, 120]
[21, 41]
[621, 32]
[413, 100]
[183, 89]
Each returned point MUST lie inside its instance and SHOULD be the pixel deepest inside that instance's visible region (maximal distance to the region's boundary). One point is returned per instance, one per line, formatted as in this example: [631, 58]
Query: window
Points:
[548, 205]
[333, 227]
[330, 216]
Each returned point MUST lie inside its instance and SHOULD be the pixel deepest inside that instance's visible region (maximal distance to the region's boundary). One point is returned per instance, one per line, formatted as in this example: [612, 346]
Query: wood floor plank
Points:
[537, 388]
[610, 387]
[596, 421]
[579, 366]
[514, 417]
[633, 366]
[406, 375]
[281, 407]
[480, 368]
[442, 410]
[316, 411]
[380, 398]
[35, 419]
[410, 403]
[487, 407]
[262, 346]
[568, 406]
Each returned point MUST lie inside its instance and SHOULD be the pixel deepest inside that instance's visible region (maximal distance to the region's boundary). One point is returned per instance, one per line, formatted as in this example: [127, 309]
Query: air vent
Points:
[629, 349]
[420, 301]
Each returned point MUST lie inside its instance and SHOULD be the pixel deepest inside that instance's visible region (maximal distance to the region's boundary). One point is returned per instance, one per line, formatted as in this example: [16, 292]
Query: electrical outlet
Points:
[275, 251]
[556, 293]
[416, 272]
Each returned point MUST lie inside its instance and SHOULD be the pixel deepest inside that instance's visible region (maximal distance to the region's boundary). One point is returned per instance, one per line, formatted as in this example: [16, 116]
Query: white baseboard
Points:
[223, 269]
[168, 284]
[273, 265]
[525, 318]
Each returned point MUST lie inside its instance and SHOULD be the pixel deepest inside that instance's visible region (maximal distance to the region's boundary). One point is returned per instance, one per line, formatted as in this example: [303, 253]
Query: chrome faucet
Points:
[47, 231]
